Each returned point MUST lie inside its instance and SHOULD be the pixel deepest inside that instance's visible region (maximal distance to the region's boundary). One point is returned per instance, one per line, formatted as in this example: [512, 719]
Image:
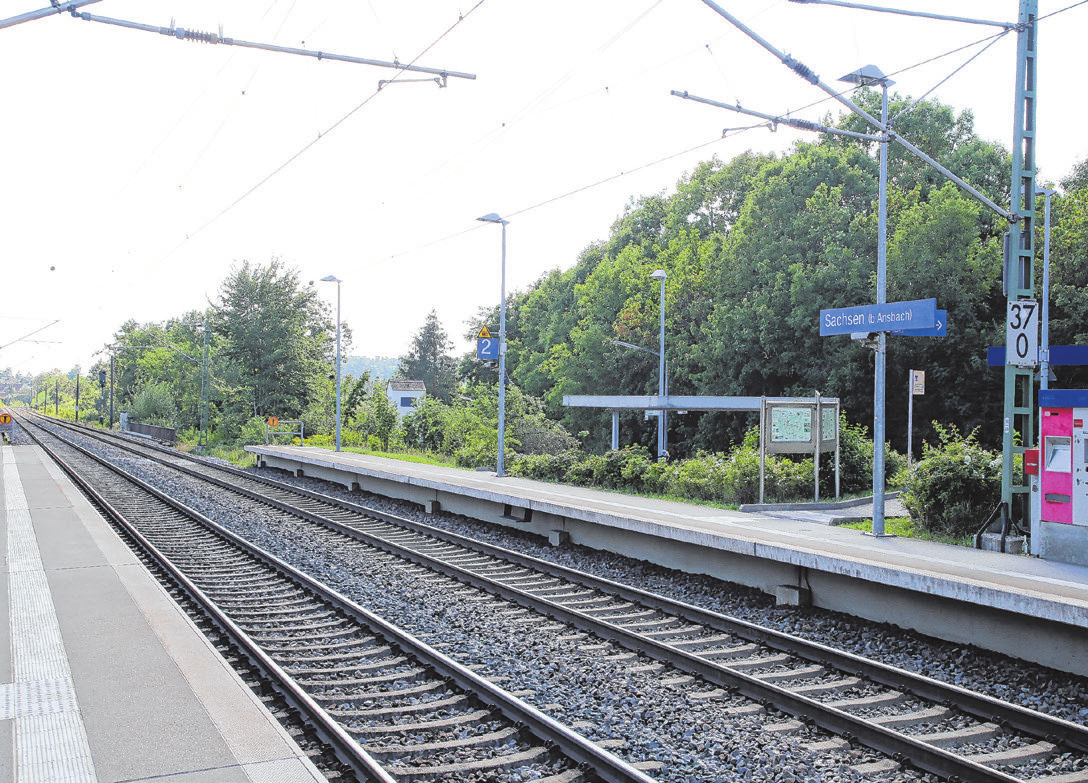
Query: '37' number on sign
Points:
[1022, 333]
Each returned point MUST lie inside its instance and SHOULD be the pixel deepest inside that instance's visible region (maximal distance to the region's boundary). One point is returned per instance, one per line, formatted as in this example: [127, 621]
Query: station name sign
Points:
[893, 316]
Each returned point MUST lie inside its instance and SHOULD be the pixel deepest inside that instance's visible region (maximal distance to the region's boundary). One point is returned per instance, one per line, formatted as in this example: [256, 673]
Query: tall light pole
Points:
[868, 76]
[1044, 342]
[335, 279]
[662, 422]
[492, 217]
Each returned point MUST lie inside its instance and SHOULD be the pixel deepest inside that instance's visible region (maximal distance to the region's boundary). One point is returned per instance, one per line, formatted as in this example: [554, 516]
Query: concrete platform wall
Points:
[763, 566]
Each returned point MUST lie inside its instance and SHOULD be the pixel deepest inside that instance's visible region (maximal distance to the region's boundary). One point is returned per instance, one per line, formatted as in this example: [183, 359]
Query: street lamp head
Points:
[1041, 191]
[867, 76]
[659, 274]
[492, 217]
[331, 279]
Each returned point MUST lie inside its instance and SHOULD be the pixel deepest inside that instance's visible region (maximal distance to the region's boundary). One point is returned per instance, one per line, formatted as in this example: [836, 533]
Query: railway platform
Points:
[102, 676]
[1019, 605]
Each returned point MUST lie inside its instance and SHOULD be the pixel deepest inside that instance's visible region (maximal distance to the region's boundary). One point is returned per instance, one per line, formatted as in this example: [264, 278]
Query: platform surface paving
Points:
[102, 676]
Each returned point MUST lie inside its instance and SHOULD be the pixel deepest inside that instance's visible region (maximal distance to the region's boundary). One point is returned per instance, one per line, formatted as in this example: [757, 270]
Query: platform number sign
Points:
[1022, 333]
[487, 345]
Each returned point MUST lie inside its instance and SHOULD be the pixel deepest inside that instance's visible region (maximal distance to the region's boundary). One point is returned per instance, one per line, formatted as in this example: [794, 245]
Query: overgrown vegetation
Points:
[954, 487]
[754, 248]
[727, 478]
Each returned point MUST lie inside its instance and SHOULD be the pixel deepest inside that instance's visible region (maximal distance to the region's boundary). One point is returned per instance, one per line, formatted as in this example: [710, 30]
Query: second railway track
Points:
[939, 728]
[393, 708]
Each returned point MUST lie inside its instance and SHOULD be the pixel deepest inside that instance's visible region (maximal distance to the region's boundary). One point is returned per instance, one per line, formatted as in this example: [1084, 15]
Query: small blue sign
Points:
[940, 329]
[916, 314]
[1060, 356]
[487, 348]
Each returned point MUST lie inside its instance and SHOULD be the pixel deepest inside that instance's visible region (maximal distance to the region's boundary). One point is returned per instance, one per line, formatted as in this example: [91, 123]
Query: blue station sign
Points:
[916, 314]
[939, 329]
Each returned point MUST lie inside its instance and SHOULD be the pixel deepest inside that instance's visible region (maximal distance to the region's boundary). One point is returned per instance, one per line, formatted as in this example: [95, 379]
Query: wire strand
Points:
[321, 135]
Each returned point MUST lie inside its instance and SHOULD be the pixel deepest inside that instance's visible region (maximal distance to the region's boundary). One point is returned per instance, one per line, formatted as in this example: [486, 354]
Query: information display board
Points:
[791, 426]
[799, 425]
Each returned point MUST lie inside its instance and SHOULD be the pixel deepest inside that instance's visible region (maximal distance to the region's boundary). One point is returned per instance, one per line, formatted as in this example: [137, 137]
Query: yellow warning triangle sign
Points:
[484, 334]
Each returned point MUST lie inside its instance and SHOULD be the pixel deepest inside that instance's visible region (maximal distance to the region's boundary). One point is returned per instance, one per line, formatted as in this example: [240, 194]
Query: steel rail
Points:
[347, 749]
[1072, 735]
[893, 743]
[604, 764]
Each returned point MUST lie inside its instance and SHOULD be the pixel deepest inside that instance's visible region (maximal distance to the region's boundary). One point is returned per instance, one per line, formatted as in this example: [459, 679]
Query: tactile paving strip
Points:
[50, 739]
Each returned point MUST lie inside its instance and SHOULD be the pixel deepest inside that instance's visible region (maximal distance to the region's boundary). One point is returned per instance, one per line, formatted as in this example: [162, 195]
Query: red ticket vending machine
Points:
[1063, 458]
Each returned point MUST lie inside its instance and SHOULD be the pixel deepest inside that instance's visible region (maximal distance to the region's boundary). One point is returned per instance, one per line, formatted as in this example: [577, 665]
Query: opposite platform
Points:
[102, 676]
[1022, 606]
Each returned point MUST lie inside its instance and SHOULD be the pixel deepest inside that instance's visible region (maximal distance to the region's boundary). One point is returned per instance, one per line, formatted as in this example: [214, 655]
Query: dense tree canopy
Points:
[754, 248]
[277, 337]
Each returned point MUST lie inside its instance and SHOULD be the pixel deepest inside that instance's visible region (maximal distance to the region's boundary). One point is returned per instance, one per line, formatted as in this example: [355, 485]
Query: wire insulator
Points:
[806, 125]
[802, 70]
[197, 35]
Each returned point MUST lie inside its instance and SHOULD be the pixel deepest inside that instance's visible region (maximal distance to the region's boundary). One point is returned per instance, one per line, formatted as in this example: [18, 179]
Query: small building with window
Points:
[405, 395]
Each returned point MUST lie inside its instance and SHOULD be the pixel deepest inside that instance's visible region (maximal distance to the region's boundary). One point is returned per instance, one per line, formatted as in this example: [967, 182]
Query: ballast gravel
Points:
[629, 705]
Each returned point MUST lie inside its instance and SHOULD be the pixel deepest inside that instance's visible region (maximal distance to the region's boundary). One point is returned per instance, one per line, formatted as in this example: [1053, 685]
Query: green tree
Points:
[430, 359]
[382, 415]
[154, 404]
[277, 338]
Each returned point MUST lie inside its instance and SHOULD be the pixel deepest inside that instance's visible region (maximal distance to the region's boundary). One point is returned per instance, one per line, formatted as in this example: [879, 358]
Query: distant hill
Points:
[379, 366]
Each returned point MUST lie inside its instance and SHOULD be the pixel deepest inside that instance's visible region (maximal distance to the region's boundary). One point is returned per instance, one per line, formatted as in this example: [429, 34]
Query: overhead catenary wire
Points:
[321, 135]
[988, 40]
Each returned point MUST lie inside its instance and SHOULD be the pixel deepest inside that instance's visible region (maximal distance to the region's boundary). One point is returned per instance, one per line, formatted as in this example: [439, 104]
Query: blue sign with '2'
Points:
[487, 348]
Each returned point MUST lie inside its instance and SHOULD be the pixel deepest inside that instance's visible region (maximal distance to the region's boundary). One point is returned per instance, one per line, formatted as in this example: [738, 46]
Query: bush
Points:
[702, 477]
[543, 467]
[955, 485]
[154, 404]
[856, 462]
[253, 432]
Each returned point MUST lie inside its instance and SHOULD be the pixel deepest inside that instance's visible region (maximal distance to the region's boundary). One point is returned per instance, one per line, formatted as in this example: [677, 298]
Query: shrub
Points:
[543, 467]
[253, 432]
[955, 485]
[855, 459]
[702, 477]
[856, 462]
[154, 404]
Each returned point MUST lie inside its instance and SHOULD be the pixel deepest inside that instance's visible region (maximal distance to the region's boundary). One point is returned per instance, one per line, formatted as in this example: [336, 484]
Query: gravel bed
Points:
[1019, 682]
[628, 702]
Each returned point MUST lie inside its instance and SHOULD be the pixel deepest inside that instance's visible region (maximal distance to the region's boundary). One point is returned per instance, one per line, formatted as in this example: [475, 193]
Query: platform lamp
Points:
[871, 76]
[662, 422]
[492, 217]
[338, 281]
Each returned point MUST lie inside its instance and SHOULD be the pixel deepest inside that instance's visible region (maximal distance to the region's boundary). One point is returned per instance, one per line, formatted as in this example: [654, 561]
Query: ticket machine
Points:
[1063, 476]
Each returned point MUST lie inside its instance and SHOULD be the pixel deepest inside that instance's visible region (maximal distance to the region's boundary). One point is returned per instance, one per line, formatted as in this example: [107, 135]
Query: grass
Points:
[236, 454]
[905, 527]
[407, 456]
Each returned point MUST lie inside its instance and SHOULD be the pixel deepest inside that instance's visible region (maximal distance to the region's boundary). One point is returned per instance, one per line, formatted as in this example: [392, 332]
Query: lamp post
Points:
[492, 217]
[662, 422]
[335, 279]
[1044, 342]
[870, 75]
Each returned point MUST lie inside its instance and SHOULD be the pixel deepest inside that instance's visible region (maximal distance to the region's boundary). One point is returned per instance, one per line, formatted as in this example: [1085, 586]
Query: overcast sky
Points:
[138, 168]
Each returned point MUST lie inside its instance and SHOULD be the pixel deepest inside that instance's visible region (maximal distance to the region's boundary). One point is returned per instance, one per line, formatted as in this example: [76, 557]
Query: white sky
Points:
[127, 155]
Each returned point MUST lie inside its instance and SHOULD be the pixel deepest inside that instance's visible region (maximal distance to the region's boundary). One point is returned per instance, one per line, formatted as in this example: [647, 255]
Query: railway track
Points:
[937, 727]
[391, 707]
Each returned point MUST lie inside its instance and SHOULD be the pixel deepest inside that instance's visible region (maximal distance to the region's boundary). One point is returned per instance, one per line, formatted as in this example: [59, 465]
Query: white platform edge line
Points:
[50, 738]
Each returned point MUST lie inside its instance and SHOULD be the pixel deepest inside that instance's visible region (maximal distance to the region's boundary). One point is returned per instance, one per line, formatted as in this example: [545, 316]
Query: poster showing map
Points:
[791, 425]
